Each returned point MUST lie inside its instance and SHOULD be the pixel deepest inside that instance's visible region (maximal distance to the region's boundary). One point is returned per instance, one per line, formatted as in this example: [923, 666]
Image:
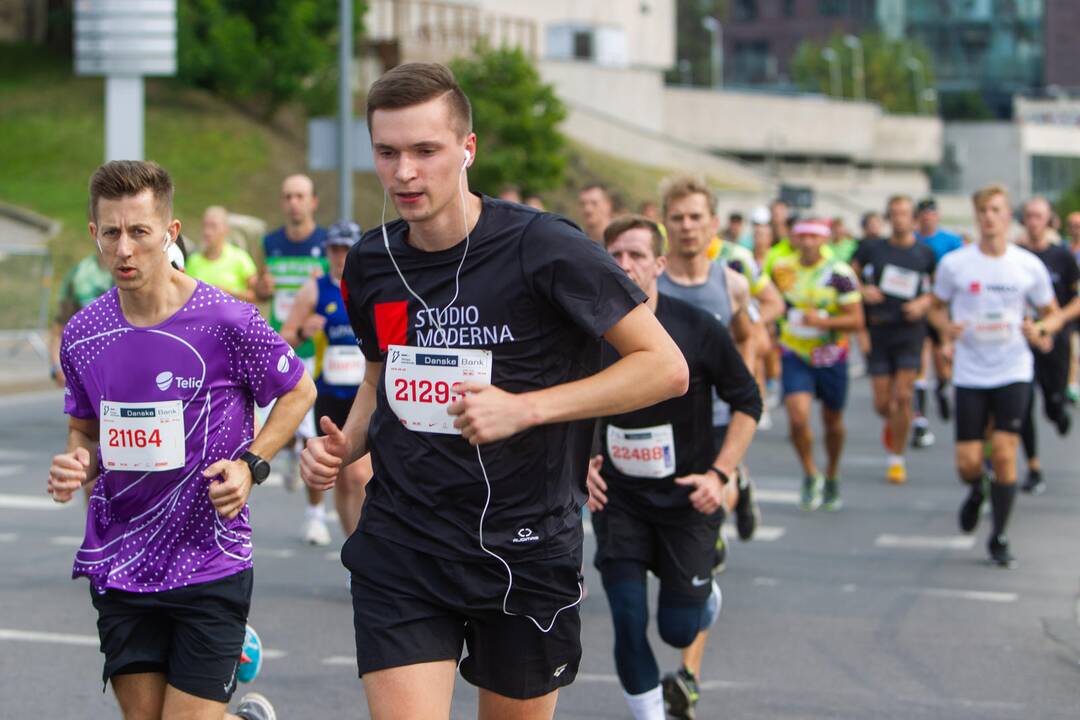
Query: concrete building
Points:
[993, 48]
[1036, 154]
[606, 60]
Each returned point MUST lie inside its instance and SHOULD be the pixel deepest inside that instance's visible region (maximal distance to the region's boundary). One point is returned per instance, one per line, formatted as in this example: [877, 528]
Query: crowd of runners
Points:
[470, 378]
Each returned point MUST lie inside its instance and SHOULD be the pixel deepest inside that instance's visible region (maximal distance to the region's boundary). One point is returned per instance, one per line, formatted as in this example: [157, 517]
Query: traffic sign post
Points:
[125, 41]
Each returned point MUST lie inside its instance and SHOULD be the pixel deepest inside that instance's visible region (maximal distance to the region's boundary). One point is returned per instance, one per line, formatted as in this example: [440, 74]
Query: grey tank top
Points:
[711, 296]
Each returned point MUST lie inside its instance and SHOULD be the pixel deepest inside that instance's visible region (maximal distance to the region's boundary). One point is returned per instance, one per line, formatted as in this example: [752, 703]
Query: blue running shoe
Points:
[250, 656]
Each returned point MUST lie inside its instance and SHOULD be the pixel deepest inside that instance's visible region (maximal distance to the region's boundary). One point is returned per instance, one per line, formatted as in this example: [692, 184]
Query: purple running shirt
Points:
[150, 531]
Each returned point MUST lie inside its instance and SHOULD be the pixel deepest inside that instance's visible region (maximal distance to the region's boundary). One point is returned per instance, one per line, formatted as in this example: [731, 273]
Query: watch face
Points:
[261, 470]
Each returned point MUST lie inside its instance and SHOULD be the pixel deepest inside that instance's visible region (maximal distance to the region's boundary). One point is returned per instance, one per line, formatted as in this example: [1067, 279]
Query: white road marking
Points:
[925, 542]
[31, 502]
[8, 470]
[776, 497]
[339, 660]
[8, 537]
[280, 553]
[15, 455]
[67, 540]
[979, 595]
[273, 654]
[766, 582]
[707, 685]
[48, 637]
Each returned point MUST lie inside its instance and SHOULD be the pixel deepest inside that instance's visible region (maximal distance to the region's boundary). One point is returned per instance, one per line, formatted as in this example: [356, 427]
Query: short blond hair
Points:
[982, 196]
[685, 186]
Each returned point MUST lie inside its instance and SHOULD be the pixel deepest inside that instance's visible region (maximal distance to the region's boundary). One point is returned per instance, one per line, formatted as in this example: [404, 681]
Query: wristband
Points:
[724, 479]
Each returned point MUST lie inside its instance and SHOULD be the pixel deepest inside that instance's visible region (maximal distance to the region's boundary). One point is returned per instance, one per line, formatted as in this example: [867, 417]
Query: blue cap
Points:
[343, 233]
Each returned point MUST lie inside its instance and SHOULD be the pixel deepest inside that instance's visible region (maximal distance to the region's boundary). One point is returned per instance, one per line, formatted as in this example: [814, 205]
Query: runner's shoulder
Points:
[675, 314]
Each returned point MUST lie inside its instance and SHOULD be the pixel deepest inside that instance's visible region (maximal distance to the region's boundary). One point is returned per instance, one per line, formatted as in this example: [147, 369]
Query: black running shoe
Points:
[747, 512]
[1063, 422]
[254, 706]
[680, 694]
[999, 552]
[969, 511]
[1034, 483]
[921, 437]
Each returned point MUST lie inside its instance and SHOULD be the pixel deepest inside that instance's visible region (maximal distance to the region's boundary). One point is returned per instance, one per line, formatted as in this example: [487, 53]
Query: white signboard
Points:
[129, 38]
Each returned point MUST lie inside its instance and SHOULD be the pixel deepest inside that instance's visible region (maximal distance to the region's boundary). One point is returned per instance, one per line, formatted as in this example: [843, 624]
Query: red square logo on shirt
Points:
[974, 287]
[392, 323]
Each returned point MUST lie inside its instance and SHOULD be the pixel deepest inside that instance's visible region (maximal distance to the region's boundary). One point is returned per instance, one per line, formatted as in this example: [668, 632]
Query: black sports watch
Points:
[724, 479]
[260, 469]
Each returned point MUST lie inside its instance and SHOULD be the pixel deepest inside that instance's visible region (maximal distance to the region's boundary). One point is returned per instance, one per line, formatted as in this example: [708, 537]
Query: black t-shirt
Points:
[714, 362]
[909, 270]
[1064, 273]
[537, 293]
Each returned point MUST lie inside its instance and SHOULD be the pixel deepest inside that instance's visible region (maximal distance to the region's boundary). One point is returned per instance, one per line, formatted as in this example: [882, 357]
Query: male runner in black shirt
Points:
[896, 276]
[481, 323]
[659, 490]
[1051, 362]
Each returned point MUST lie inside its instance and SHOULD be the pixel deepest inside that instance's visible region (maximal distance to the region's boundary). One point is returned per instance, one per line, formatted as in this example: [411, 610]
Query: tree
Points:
[267, 52]
[894, 69]
[516, 118]
[1069, 202]
[693, 43]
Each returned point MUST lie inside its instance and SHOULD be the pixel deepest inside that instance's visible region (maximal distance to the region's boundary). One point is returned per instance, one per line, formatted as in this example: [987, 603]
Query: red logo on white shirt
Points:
[974, 287]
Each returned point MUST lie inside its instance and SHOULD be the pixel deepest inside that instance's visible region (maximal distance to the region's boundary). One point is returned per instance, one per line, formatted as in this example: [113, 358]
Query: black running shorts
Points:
[1007, 405]
[681, 554]
[410, 607]
[333, 407]
[193, 635]
[894, 348]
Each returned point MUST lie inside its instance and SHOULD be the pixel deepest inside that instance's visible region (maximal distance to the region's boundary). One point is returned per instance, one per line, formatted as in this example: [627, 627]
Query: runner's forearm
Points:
[740, 433]
[285, 418]
[356, 426]
[83, 434]
[639, 379]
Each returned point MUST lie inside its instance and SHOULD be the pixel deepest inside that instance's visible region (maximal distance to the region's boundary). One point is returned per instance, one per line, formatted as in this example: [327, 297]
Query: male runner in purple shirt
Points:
[162, 376]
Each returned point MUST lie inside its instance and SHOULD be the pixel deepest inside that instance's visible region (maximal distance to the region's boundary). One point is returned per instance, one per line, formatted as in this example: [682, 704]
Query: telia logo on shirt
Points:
[165, 379]
[283, 364]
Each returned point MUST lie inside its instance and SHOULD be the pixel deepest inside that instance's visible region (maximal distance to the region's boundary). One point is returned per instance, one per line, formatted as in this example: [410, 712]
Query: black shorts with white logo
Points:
[193, 635]
[1007, 405]
[681, 554]
[410, 607]
[894, 348]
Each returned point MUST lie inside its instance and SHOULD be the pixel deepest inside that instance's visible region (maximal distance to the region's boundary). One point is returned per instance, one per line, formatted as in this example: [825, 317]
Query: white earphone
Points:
[468, 157]
[165, 244]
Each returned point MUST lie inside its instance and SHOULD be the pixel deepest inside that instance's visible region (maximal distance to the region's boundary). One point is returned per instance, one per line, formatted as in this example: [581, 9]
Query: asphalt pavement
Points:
[881, 610]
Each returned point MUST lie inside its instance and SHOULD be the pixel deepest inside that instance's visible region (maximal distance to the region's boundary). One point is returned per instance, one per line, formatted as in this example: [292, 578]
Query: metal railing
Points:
[447, 29]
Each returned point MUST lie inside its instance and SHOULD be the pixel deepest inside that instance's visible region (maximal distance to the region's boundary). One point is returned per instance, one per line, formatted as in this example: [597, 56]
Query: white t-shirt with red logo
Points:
[989, 295]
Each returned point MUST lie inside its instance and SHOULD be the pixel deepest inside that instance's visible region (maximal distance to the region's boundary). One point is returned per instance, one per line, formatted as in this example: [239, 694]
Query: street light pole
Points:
[833, 59]
[716, 49]
[915, 66]
[858, 69]
[345, 117]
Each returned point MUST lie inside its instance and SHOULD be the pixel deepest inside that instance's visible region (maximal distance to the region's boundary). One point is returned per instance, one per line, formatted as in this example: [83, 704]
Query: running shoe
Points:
[747, 512]
[921, 437]
[1034, 483]
[766, 421]
[250, 656]
[999, 552]
[832, 500]
[811, 492]
[255, 706]
[969, 511]
[316, 532]
[1063, 422]
[680, 694]
[941, 393]
[720, 557]
[896, 474]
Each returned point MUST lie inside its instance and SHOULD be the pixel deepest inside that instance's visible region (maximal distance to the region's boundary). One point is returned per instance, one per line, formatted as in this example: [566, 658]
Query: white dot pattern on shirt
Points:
[182, 540]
